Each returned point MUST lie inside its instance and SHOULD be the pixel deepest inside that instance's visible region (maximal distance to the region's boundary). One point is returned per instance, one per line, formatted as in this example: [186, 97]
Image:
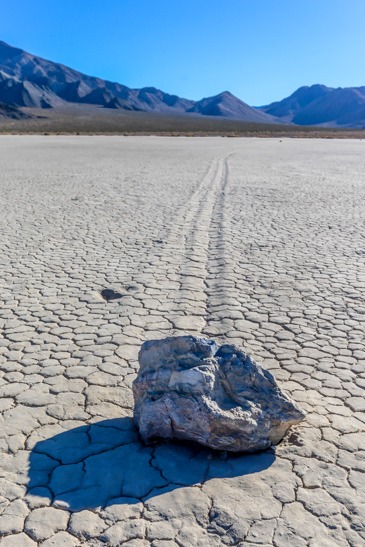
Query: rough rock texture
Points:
[192, 388]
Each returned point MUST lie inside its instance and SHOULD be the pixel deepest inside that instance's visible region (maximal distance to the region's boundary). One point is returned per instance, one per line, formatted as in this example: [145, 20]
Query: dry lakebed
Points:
[110, 241]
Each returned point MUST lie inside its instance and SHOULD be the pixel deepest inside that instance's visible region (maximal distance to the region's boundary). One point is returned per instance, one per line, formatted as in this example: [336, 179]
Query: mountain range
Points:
[30, 81]
[321, 105]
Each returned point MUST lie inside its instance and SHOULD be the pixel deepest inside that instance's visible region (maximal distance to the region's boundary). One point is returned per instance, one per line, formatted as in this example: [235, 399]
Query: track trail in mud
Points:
[107, 242]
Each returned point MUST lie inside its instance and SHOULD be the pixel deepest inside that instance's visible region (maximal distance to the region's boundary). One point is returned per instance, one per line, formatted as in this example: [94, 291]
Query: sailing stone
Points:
[195, 389]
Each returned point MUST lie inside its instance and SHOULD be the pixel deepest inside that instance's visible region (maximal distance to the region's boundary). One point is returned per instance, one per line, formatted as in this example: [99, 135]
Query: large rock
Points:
[192, 388]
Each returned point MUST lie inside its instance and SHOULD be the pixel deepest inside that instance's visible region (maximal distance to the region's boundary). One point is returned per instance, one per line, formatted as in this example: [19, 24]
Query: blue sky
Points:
[260, 50]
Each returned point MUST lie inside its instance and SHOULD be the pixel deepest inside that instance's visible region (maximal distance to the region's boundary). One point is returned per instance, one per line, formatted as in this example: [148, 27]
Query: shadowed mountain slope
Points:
[12, 112]
[321, 105]
[30, 81]
[227, 105]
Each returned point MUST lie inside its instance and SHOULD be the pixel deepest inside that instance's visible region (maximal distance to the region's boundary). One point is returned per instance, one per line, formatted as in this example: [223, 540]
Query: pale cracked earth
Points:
[257, 242]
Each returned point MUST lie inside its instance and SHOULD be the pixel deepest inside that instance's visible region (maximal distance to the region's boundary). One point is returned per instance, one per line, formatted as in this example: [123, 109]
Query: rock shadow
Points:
[104, 463]
[110, 294]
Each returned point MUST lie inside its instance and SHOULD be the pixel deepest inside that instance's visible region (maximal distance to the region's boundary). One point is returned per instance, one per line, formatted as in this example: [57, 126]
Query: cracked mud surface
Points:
[107, 242]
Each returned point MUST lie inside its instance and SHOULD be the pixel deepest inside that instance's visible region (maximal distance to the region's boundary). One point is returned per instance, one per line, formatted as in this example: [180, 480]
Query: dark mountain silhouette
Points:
[30, 81]
[27, 80]
[321, 105]
[227, 105]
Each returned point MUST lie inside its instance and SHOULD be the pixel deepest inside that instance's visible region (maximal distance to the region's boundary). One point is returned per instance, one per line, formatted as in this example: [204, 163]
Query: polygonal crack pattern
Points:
[255, 242]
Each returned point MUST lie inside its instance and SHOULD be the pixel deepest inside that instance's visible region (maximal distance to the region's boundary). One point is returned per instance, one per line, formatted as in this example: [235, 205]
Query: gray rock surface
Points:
[192, 388]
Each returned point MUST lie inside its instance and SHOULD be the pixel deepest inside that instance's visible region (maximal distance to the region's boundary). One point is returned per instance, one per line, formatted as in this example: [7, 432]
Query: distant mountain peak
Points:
[31, 81]
[228, 106]
[34, 81]
[321, 105]
[225, 94]
[28, 80]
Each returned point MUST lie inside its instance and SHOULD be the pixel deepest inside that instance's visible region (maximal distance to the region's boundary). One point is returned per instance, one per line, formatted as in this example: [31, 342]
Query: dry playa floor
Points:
[256, 242]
